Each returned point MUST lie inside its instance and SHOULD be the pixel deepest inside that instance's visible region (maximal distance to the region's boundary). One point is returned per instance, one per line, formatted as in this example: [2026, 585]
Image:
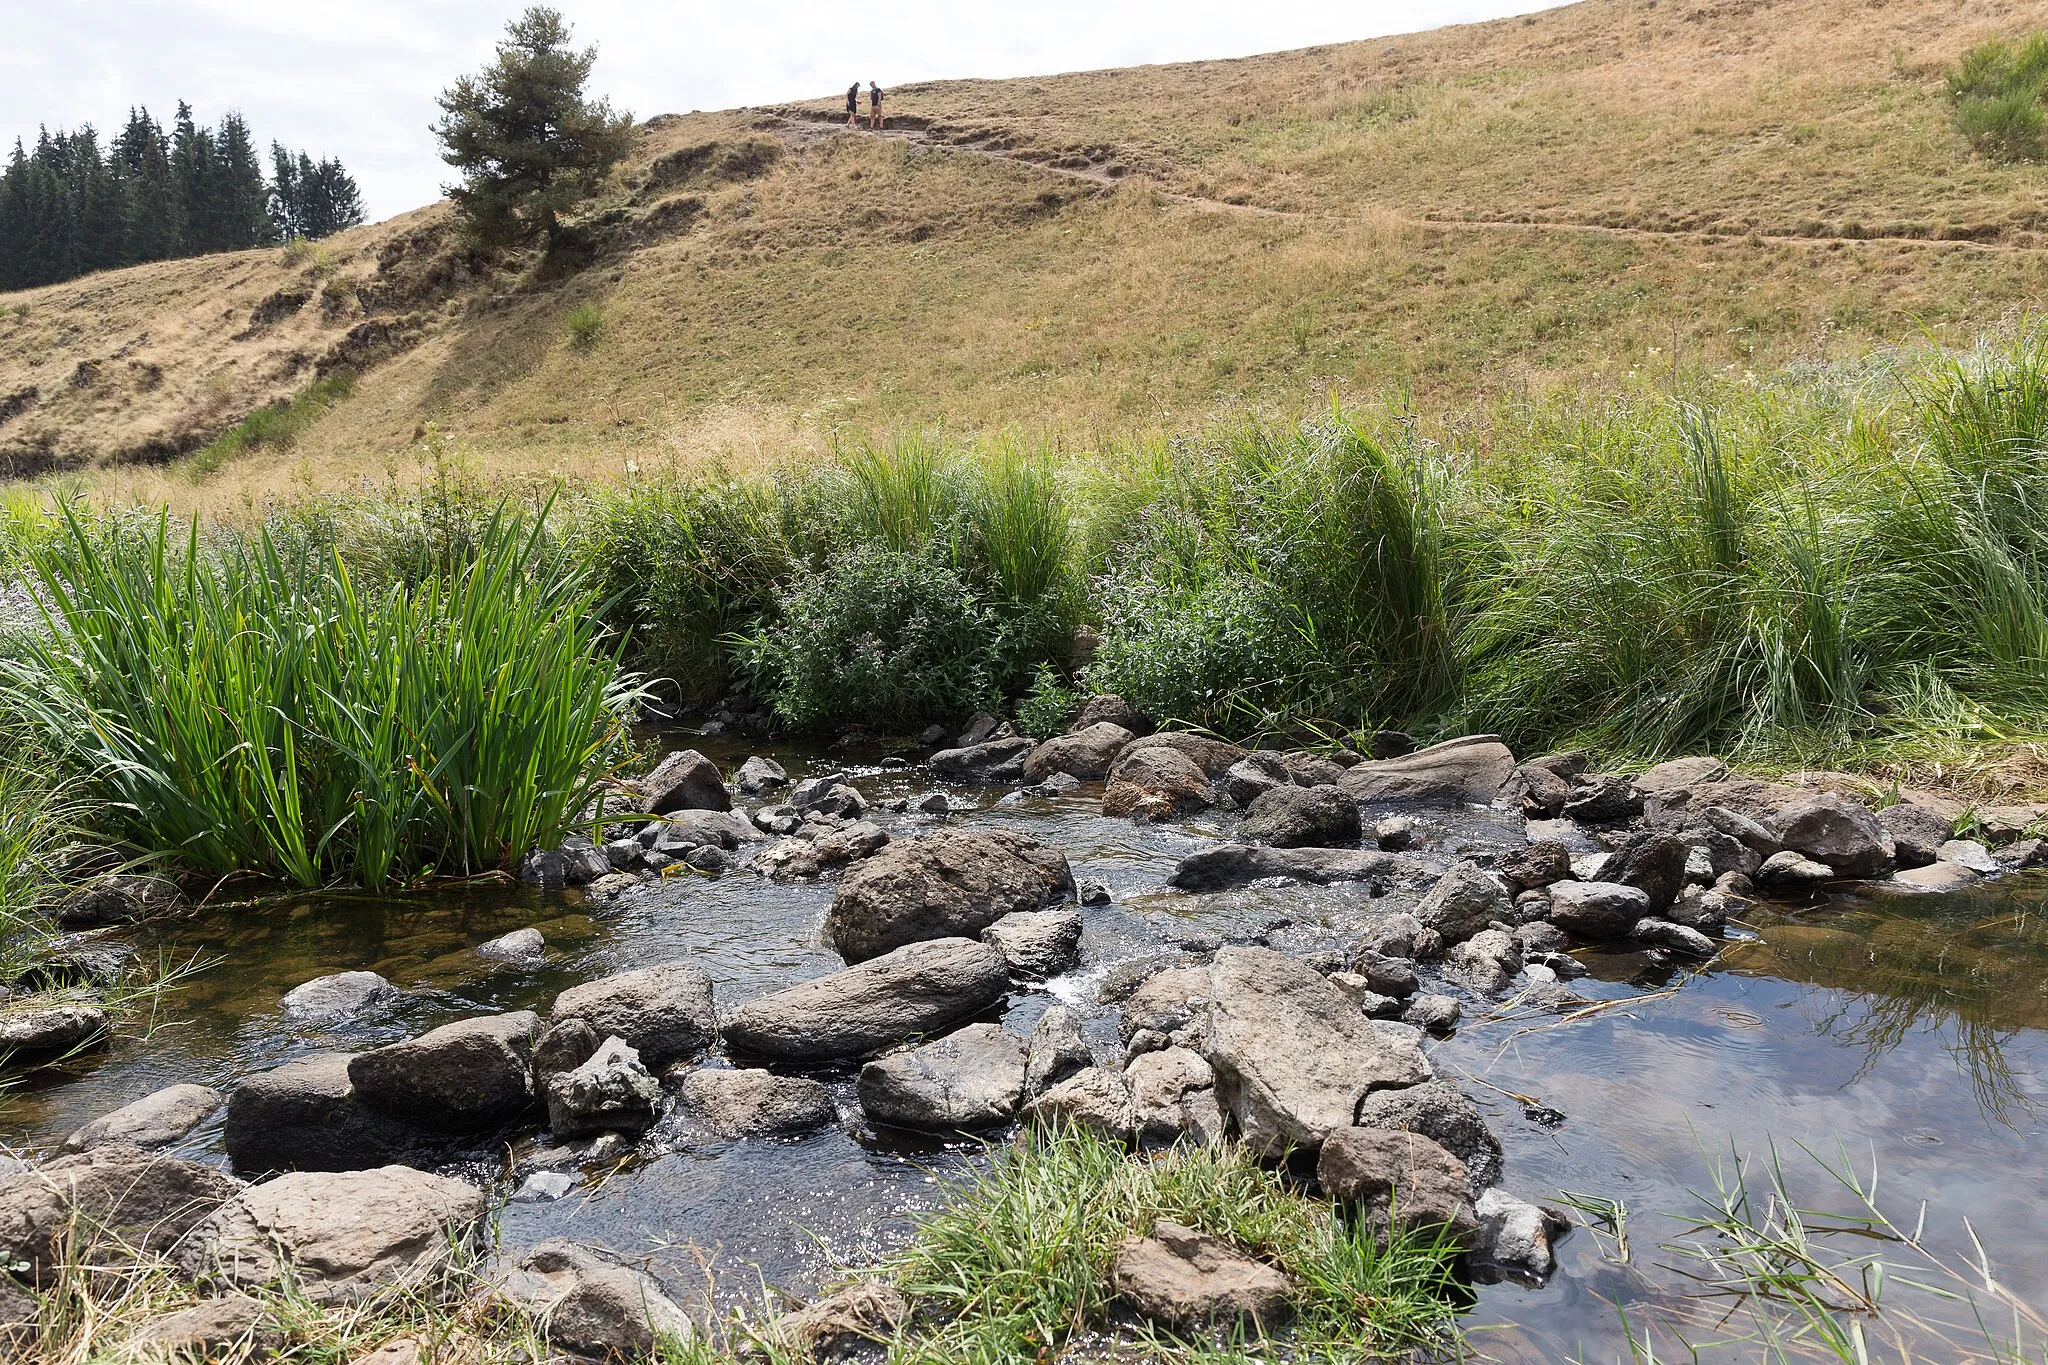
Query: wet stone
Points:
[343, 995]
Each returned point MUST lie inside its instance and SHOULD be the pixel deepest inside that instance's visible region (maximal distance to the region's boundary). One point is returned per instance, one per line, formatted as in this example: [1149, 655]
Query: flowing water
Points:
[1907, 1033]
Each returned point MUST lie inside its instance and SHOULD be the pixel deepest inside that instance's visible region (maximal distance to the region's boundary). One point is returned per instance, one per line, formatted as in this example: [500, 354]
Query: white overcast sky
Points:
[357, 79]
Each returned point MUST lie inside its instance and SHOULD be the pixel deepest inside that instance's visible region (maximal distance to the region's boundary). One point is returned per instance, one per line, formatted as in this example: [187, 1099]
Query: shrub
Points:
[1997, 89]
[880, 636]
[586, 325]
[240, 712]
[1049, 707]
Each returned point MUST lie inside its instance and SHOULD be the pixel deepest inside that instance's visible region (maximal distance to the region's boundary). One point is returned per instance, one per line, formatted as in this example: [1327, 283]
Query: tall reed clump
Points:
[1303, 572]
[239, 712]
[1997, 91]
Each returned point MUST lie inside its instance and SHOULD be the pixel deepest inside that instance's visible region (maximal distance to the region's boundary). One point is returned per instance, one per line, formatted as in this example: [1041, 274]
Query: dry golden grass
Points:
[1471, 213]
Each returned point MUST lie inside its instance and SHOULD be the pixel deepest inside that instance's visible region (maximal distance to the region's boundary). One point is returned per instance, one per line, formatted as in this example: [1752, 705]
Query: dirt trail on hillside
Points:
[807, 126]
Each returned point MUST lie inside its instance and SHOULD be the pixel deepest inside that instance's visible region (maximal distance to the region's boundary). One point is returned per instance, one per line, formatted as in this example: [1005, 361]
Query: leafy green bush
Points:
[879, 636]
[239, 712]
[1997, 90]
[1049, 707]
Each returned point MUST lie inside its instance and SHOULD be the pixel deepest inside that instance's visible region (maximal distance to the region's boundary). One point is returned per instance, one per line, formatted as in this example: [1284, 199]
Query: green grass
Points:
[1018, 1259]
[1997, 91]
[240, 711]
[586, 325]
[277, 425]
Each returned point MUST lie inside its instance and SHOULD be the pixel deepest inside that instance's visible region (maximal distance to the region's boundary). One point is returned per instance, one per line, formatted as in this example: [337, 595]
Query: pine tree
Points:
[528, 144]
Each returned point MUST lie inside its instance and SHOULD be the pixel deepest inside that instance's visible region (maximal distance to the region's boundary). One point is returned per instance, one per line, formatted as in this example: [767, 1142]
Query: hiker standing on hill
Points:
[874, 106]
[853, 104]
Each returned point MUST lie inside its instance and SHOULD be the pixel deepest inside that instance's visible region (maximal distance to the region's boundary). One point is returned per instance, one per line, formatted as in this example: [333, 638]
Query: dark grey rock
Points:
[305, 1116]
[972, 1078]
[920, 988]
[1297, 817]
[1653, 862]
[990, 763]
[1399, 1180]
[1535, 865]
[1252, 776]
[1056, 1051]
[466, 1077]
[1436, 1013]
[1232, 865]
[31, 1031]
[758, 775]
[666, 1012]
[1606, 799]
[750, 1103]
[1660, 933]
[119, 898]
[1597, 910]
[685, 780]
[1830, 828]
[942, 885]
[1464, 901]
[1442, 1113]
[610, 1092]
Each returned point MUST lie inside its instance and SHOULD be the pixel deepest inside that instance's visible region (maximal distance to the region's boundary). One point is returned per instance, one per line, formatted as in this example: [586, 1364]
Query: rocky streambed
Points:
[754, 1033]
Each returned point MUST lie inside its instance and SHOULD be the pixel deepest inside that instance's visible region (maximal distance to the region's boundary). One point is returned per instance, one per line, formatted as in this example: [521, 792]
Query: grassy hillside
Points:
[1614, 190]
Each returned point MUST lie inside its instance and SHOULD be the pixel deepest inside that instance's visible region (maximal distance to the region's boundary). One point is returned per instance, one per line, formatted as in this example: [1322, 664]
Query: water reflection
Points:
[1969, 969]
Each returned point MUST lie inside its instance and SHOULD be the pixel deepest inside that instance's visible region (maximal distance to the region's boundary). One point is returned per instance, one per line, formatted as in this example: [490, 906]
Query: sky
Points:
[357, 80]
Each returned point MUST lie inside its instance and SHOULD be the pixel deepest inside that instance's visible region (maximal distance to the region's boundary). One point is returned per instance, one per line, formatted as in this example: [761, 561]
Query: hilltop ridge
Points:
[1486, 210]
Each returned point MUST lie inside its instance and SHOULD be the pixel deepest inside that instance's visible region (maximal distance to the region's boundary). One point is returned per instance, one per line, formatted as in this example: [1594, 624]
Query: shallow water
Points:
[1908, 1032]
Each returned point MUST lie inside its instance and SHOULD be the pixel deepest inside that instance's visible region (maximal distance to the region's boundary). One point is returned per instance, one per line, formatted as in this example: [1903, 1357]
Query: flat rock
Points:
[1298, 817]
[1681, 772]
[1037, 944]
[947, 884]
[1937, 877]
[751, 1103]
[1790, 870]
[1085, 754]
[610, 1092]
[1234, 865]
[989, 763]
[1293, 1058]
[157, 1119]
[341, 1236]
[1597, 909]
[1167, 1001]
[1467, 771]
[1183, 1279]
[34, 1032]
[133, 1198]
[338, 996]
[466, 1077]
[1446, 1116]
[233, 1326]
[684, 780]
[1399, 1179]
[304, 1115]
[1659, 933]
[971, 1078]
[921, 988]
[665, 1013]
[1971, 854]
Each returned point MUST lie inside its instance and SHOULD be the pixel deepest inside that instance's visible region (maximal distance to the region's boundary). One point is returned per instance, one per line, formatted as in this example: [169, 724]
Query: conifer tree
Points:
[528, 144]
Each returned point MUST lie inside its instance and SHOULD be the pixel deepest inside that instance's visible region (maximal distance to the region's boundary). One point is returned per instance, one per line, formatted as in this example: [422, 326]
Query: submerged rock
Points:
[972, 1078]
[1234, 865]
[920, 988]
[342, 995]
[947, 884]
[157, 1119]
[1183, 1279]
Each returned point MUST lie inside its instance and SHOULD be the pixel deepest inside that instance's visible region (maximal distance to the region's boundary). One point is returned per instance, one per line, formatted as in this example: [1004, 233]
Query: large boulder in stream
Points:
[665, 1013]
[921, 988]
[1298, 817]
[685, 780]
[340, 1237]
[1156, 784]
[466, 1077]
[305, 1116]
[1468, 771]
[748, 1102]
[988, 763]
[1233, 865]
[338, 996]
[122, 1194]
[1830, 828]
[1293, 1056]
[1085, 754]
[950, 884]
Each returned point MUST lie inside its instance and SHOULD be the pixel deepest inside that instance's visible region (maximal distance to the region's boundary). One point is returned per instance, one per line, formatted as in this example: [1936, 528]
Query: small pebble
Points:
[545, 1185]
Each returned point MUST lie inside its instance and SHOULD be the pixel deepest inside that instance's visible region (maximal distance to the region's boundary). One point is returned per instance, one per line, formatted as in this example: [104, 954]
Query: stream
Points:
[1909, 1033]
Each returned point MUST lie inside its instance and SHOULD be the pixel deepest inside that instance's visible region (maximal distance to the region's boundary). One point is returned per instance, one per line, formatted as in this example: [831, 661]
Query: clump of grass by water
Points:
[241, 712]
[1018, 1260]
